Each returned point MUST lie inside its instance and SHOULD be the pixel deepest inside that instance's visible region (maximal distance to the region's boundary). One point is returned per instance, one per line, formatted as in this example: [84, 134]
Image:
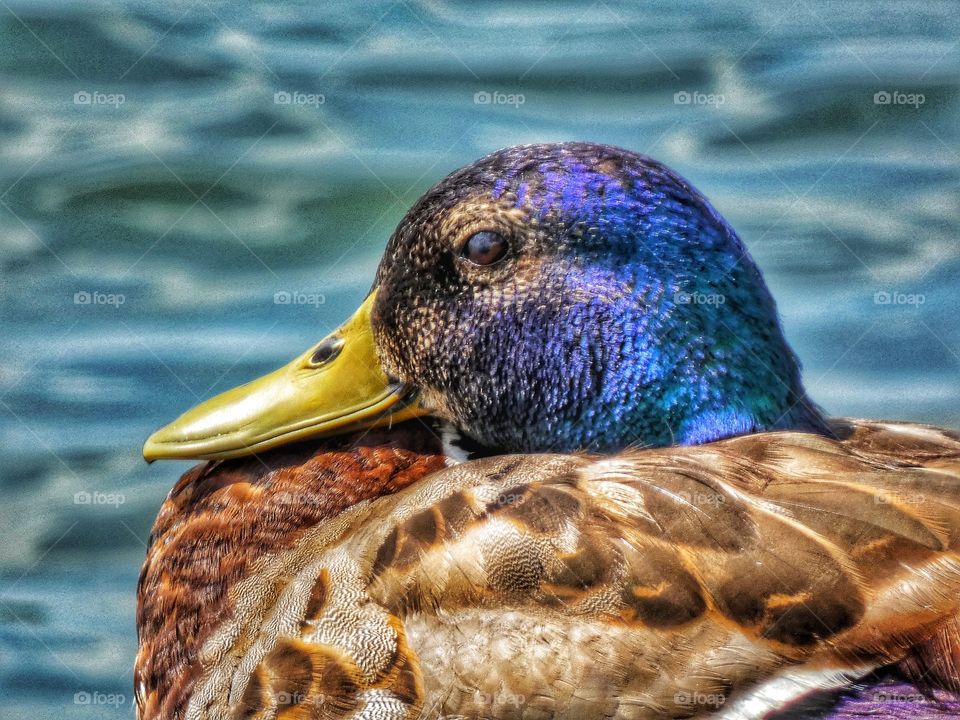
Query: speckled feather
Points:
[656, 584]
[221, 518]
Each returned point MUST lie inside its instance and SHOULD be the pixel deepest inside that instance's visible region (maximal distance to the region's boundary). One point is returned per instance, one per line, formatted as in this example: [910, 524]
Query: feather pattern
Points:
[715, 580]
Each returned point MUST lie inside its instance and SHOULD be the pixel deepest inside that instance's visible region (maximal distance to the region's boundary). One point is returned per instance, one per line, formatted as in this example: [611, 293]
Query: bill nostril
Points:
[327, 351]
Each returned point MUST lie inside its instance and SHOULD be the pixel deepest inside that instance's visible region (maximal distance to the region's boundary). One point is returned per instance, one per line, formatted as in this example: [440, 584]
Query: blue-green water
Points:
[166, 169]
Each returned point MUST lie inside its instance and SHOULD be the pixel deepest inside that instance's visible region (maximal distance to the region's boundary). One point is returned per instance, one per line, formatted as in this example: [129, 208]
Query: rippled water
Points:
[167, 169]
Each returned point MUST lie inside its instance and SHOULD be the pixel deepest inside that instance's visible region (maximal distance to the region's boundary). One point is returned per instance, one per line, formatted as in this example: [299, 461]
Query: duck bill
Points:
[335, 387]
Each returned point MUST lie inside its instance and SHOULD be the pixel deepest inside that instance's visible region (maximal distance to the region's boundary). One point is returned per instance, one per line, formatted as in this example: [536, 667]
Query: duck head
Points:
[548, 297]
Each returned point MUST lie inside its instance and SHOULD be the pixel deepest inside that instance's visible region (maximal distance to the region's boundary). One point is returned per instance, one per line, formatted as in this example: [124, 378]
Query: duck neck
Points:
[642, 368]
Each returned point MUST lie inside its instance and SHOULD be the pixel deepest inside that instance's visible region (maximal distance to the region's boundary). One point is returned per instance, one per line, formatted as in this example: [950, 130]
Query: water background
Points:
[264, 151]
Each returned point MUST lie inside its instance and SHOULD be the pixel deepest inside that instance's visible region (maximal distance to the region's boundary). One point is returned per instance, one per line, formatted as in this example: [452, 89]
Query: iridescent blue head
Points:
[579, 296]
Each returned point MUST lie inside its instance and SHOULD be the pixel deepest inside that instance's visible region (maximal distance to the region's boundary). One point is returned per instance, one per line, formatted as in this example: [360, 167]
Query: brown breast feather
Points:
[221, 517]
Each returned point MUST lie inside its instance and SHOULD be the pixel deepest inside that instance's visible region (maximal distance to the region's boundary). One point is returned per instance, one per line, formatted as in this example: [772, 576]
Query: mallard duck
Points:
[560, 463]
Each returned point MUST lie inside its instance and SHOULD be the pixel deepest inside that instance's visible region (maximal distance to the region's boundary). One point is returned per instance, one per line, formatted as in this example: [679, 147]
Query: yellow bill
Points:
[335, 387]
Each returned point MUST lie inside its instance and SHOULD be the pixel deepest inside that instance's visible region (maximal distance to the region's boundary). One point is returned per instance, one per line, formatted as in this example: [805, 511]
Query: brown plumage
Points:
[356, 578]
[221, 518]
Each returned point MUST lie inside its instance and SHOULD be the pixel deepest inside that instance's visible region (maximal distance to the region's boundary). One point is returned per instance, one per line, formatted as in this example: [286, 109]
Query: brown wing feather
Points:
[793, 549]
[661, 583]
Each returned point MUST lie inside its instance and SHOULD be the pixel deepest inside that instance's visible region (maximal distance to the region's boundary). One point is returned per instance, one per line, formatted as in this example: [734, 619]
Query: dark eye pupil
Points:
[485, 248]
[327, 351]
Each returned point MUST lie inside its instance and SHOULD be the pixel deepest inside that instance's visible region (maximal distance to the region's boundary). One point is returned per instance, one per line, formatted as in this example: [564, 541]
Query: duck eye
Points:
[327, 350]
[485, 248]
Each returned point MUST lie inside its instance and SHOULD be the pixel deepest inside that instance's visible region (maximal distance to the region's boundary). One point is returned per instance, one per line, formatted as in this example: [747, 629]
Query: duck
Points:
[560, 463]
